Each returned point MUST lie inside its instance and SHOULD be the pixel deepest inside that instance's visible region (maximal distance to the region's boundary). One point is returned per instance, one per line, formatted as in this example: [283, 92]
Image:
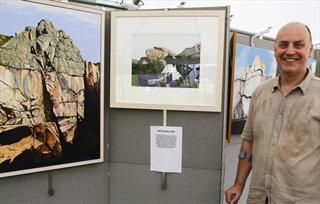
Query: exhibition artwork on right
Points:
[252, 67]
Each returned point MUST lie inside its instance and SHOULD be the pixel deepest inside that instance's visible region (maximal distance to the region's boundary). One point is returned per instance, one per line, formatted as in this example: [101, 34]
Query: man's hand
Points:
[233, 194]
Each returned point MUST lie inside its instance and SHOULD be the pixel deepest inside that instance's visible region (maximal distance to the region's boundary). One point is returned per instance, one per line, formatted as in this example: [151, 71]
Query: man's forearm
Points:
[244, 164]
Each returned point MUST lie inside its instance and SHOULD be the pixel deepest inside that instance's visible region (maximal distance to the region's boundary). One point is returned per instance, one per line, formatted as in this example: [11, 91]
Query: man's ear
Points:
[311, 51]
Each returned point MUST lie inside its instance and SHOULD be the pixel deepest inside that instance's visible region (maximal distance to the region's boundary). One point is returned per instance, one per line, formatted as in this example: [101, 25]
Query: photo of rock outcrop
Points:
[252, 67]
[160, 66]
[49, 96]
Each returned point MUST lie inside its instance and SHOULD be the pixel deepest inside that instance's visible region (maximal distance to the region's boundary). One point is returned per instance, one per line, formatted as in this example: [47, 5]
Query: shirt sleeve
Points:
[247, 132]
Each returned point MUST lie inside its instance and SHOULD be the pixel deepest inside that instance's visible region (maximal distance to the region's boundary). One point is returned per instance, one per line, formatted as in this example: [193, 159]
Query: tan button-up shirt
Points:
[285, 131]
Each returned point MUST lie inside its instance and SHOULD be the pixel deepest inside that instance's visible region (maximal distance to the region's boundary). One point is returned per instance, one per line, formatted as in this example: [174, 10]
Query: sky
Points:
[175, 43]
[245, 56]
[83, 27]
[254, 16]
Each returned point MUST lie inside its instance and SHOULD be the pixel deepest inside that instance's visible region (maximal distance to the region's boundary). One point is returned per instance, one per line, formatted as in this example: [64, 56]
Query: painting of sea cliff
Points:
[51, 76]
[253, 66]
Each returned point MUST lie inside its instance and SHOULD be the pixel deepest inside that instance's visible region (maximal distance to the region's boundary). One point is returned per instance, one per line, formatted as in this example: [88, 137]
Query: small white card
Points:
[166, 149]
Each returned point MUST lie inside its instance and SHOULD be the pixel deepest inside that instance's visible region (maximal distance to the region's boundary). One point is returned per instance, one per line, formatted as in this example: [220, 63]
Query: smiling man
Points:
[281, 138]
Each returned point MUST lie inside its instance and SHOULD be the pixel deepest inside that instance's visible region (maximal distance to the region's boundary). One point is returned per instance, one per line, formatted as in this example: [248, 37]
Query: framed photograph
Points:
[252, 67]
[51, 86]
[167, 59]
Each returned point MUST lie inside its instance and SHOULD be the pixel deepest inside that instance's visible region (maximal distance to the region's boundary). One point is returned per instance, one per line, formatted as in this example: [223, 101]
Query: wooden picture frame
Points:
[51, 86]
[167, 59]
[232, 55]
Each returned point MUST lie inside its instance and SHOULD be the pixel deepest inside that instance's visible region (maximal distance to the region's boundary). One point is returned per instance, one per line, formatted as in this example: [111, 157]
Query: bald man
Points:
[281, 138]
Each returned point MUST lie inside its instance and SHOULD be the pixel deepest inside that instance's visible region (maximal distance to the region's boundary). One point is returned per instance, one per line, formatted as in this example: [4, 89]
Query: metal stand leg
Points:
[164, 181]
[50, 185]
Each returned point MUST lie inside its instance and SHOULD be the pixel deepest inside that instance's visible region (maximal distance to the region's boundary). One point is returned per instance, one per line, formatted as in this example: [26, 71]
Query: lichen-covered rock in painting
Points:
[41, 87]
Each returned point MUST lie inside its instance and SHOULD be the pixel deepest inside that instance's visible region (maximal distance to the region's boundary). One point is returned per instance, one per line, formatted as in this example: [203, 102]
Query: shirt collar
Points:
[303, 85]
[276, 84]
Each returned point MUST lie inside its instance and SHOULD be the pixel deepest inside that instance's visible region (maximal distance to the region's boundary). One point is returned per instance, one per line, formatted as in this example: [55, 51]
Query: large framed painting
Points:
[252, 66]
[51, 86]
[167, 59]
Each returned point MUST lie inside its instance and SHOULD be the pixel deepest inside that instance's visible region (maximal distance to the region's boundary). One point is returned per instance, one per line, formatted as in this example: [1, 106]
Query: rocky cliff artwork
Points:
[252, 67]
[49, 100]
[160, 66]
[167, 60]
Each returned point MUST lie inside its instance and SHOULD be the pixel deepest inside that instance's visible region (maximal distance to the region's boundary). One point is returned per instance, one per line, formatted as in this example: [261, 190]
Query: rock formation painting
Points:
[160, 66]
[49, 99]
[252, 67]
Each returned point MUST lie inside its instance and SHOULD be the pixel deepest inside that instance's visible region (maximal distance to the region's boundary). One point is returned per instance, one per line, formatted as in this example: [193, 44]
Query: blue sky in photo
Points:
[83, 27]
[245, 55]
[174, 42]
